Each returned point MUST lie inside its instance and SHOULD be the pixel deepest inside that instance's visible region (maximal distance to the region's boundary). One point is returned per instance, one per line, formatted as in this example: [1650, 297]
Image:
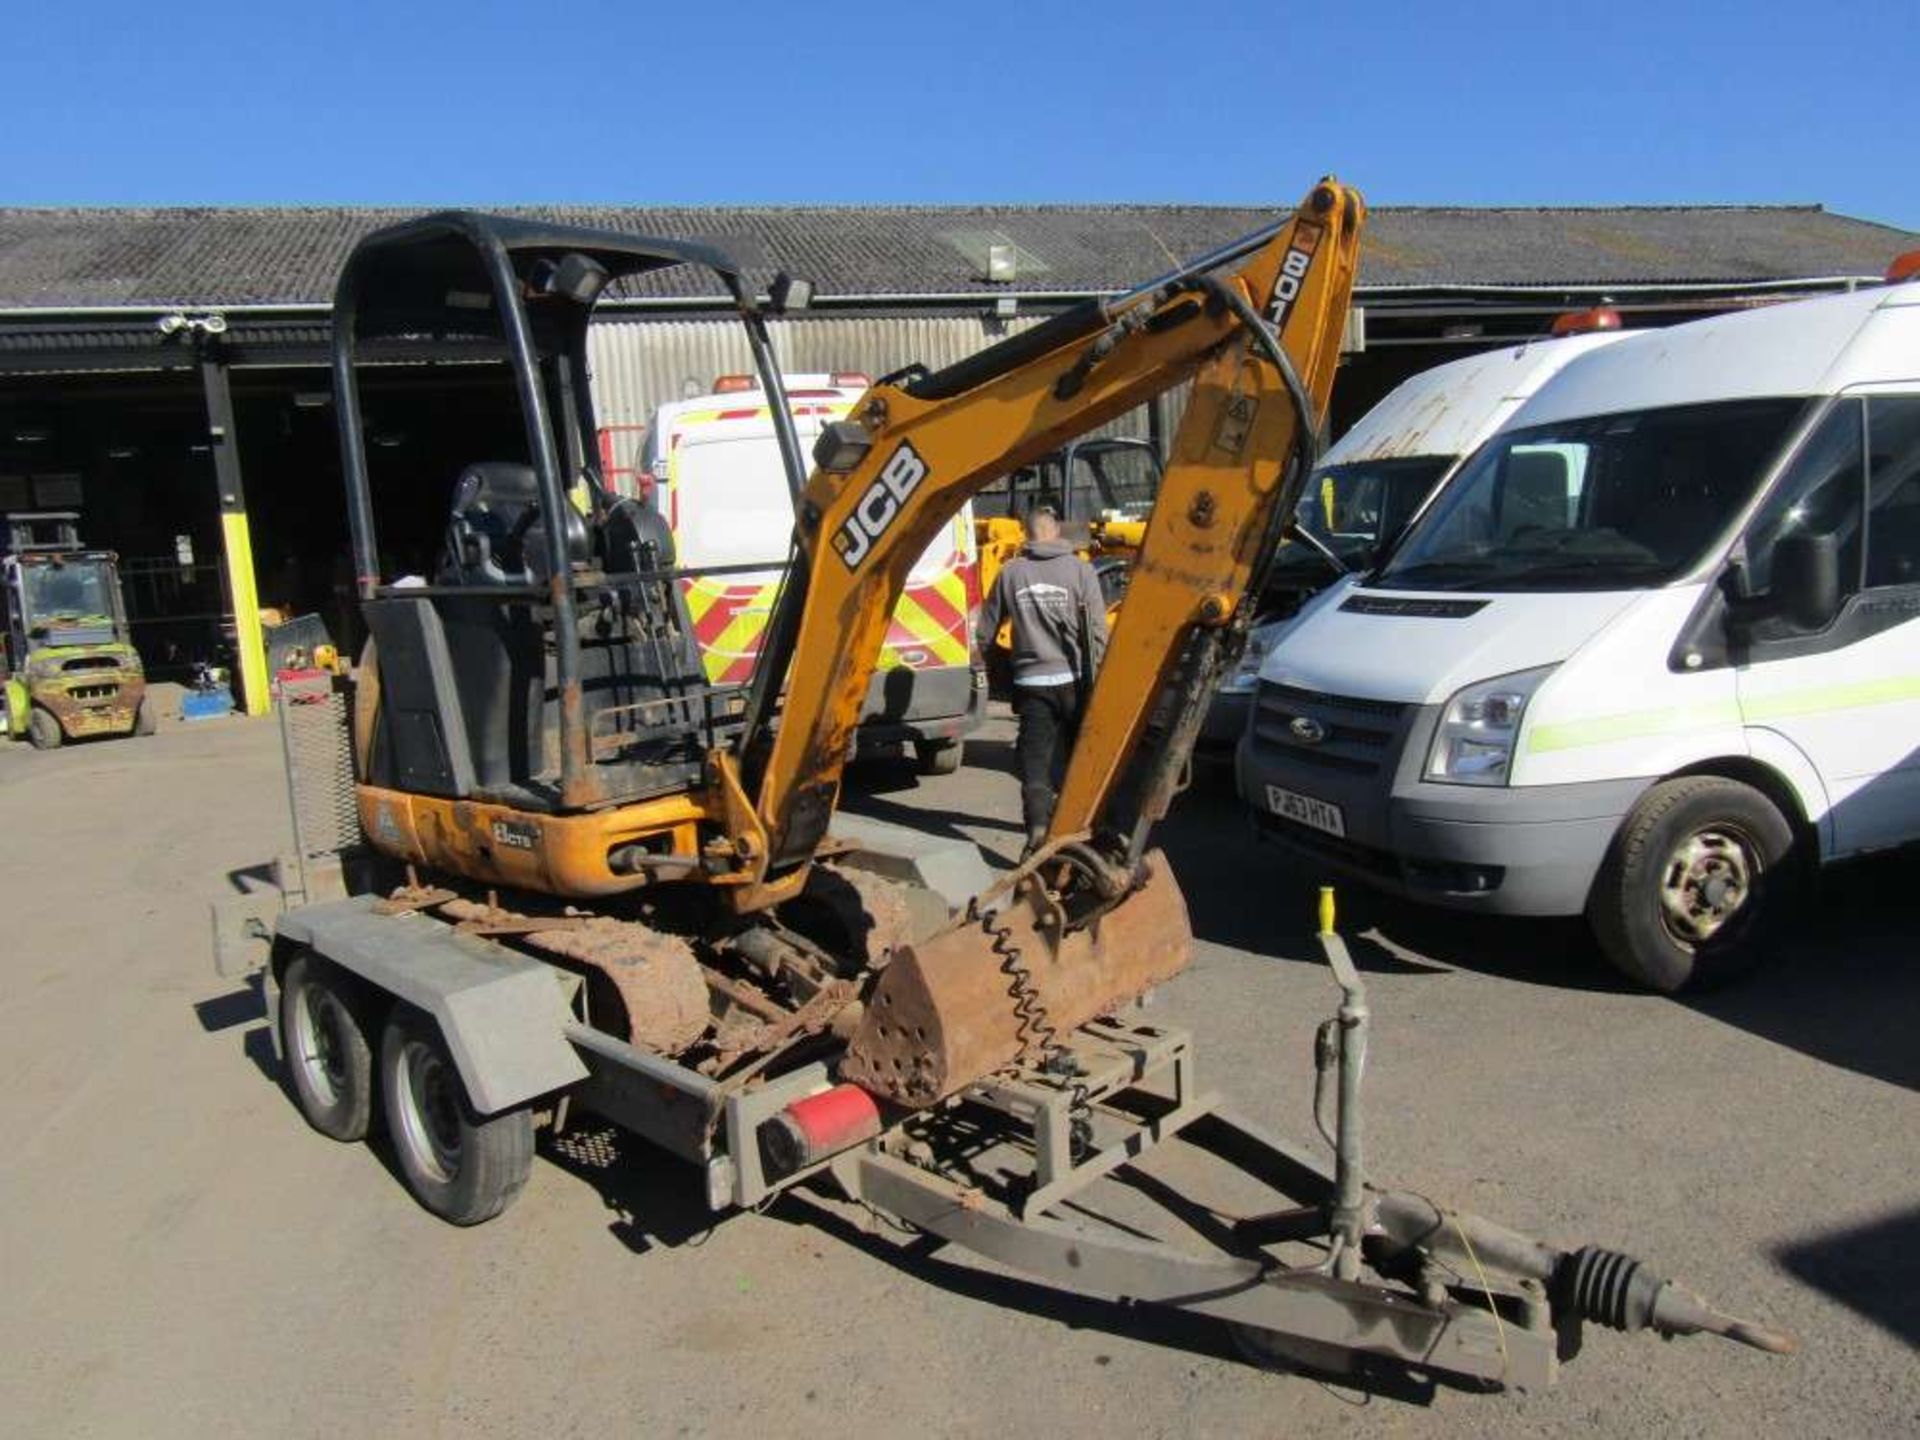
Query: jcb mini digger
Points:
[611, 885]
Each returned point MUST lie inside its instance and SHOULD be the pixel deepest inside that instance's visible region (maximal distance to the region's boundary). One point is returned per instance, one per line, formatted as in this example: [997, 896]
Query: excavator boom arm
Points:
[917, 450]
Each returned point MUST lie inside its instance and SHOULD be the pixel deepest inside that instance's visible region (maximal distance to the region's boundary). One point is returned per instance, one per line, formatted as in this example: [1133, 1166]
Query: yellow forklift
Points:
[69, 671]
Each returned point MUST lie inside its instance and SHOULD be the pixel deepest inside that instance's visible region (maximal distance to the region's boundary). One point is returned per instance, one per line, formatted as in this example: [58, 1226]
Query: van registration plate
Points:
[1318, 814]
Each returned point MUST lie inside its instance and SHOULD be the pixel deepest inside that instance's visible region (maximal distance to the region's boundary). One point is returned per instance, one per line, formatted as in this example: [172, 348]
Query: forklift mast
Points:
[46, 531]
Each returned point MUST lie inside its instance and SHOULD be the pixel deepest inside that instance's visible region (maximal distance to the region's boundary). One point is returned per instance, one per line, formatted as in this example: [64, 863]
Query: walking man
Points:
[1059, 636]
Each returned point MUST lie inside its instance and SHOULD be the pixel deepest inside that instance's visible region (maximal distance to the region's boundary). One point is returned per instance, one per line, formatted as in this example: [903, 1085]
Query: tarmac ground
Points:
[184, 1256]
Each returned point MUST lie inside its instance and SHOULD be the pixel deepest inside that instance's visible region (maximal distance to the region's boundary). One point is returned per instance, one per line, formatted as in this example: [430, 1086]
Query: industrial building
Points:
[164, 371]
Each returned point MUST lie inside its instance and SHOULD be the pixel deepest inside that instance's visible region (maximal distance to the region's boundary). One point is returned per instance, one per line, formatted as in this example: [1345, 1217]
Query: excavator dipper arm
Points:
[917, 448]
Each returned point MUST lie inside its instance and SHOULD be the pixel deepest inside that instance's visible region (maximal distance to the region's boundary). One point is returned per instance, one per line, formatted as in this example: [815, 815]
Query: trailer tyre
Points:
[1693, 883]
[939, 757]
[329, 1062]
[463, 1167]
[143, 721]
[43, 730]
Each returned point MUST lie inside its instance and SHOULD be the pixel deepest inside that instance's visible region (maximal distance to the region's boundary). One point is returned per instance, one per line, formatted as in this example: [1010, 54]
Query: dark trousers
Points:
[1049, 718]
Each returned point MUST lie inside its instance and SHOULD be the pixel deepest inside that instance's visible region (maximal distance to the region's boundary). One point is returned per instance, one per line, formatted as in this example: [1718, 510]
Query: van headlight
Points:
[1474, 744]
[1261, 639]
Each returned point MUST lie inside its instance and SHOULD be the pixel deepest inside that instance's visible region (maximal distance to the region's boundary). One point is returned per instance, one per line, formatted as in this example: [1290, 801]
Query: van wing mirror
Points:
[1806, 579]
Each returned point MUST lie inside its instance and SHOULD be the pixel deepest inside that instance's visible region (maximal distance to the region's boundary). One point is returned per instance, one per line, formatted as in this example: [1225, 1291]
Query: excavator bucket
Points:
[1004, 987]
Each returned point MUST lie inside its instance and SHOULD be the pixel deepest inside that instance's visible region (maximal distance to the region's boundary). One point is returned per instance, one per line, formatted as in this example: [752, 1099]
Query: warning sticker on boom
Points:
[1235, 424]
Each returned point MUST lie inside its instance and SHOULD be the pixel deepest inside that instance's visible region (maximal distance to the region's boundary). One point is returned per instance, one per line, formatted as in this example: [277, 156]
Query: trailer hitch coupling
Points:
[1607, 1287]
[1620, 1292]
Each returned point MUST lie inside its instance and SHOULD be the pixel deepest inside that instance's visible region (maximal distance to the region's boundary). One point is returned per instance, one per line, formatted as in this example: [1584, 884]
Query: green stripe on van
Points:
[1636, 724]
[1633, 725]
[1835, 697]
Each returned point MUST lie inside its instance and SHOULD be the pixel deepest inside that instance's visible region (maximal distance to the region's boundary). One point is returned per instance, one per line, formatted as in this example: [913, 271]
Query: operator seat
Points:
[496, 534]
[495, 646]
[472, 702]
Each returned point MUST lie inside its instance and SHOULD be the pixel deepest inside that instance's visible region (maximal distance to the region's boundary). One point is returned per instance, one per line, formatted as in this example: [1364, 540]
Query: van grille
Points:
[1355, 735]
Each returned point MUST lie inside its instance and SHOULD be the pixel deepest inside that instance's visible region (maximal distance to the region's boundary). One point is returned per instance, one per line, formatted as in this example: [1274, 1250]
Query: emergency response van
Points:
[711, 466]
[1653, 650]
[1369, 485]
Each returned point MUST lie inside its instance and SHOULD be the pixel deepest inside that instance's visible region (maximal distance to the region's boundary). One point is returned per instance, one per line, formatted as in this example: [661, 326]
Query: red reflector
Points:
[734, 384]
[1904, 267]
[810, 1130]
[851, 379]
[1586, 322]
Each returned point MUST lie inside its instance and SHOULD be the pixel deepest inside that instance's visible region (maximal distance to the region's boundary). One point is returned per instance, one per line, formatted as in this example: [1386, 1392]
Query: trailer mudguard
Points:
[502, 1015]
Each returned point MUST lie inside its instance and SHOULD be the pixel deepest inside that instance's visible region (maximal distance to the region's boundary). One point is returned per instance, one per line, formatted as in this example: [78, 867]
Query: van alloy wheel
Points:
[1691, 888]
[1707, 881]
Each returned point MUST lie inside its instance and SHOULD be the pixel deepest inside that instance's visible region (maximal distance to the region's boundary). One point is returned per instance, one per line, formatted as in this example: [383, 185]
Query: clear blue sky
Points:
[739, 102]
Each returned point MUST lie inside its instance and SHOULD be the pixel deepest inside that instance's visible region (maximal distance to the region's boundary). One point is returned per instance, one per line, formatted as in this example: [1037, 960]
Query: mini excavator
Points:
[607, 882]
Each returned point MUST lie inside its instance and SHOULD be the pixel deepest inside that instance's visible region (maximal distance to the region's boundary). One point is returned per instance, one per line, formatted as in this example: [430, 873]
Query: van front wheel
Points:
[1692, 880]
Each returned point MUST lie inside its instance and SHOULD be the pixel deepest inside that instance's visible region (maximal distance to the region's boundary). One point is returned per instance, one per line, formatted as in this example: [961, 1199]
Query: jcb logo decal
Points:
[879, 506]
[1293, 273]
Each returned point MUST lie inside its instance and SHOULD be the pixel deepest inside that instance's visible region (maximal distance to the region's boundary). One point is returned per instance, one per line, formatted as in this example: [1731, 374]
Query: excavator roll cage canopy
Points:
[465, 286]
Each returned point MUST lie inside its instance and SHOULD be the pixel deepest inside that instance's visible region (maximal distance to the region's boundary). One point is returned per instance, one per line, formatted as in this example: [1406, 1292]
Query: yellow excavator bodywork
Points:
[1256, 329]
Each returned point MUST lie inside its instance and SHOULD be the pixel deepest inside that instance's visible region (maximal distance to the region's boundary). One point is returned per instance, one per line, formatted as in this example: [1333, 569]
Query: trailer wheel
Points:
[1692, 883]
[328, 1059]
[143, 721]
[939, 757]
[462, 1167]
[43, 730]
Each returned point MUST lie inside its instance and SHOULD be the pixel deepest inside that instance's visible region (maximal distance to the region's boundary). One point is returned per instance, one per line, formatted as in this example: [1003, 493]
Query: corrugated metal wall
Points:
[641, 363]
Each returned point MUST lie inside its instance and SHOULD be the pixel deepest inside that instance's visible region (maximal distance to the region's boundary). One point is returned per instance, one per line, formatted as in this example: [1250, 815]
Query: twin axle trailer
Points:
[1105, 1165]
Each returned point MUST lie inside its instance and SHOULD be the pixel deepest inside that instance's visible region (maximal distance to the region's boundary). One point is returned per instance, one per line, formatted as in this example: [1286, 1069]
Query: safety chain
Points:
[1036, 1029]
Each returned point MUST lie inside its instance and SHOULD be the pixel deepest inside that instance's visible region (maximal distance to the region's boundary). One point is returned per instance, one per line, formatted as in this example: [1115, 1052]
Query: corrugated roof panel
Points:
[75, 258]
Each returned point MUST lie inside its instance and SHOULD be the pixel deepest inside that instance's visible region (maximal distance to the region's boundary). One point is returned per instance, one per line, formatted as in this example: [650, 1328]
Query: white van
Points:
[712, 466]
[1374, 479]
[1655, 641]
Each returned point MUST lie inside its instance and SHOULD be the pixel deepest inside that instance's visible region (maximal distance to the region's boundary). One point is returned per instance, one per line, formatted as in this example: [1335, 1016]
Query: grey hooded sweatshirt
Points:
[1050, 593]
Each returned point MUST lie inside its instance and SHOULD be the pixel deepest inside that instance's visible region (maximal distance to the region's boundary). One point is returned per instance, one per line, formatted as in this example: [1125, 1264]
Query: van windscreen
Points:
[1610, 502]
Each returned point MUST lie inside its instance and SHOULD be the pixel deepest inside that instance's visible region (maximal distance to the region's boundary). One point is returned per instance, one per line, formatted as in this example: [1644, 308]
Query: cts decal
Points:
[879, 506]
[515, 835]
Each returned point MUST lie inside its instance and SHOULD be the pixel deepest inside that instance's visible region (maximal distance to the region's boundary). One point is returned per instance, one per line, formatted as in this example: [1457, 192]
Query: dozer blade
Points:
[1004, 987]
